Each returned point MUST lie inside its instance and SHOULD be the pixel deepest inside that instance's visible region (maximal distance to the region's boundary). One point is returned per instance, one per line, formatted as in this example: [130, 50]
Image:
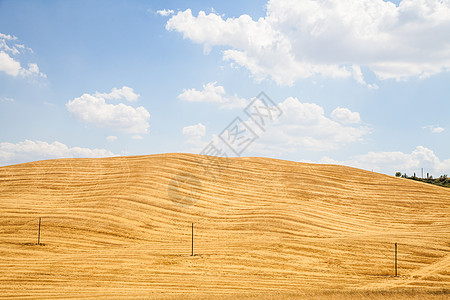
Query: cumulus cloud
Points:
[194, 134]
[304, 126]
[27, 150]
[397, 161]
[331, 38]
[434, 128]
[165, 12]
[95, 110]
[11, 65]
[125, 92]
[197, 130]
[299, 127]
[213, 93]
[345, 116]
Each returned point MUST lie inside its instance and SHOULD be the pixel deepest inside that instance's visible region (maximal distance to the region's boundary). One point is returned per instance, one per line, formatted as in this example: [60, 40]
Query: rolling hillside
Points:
[121, 227]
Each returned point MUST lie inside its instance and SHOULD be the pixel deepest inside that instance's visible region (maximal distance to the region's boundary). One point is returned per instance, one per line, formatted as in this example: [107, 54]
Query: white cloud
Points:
[300, 127]
[332, 38]
[9, 65]
[27, 150]
[437, 130]
[12, 66]
[125, 92]
[111, 138]
[434, 128]
[94, 109]
[7, 99]
[304, 126]
[198, 130]
[33, 69]
[194, 135]
[8, 46]
[165, 12]
[7, 36]
[345, 116]
[213, 93]
[396, 161]
[210, 93]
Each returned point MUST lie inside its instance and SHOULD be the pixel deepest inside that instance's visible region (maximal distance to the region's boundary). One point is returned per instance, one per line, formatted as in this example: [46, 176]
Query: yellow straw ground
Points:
[263, 229]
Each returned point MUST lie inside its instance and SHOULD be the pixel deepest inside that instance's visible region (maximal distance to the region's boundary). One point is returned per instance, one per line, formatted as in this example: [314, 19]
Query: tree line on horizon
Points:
[442, 180]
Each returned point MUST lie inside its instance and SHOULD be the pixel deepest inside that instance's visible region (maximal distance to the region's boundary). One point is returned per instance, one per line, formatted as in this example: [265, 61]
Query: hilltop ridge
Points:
[121, 227]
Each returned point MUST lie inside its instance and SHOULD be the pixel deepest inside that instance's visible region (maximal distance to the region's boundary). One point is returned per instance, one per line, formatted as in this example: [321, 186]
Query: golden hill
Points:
[121, 227]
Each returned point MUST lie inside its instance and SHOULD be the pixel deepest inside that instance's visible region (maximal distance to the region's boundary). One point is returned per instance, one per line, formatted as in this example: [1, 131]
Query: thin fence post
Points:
[395, 259]
[39, 232]
[192, 242]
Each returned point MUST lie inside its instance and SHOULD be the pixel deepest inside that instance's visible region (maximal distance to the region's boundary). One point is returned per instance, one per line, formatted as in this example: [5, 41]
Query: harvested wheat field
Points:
[263, 228]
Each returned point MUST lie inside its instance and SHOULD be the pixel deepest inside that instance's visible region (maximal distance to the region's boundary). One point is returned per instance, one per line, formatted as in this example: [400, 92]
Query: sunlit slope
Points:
[121, 227]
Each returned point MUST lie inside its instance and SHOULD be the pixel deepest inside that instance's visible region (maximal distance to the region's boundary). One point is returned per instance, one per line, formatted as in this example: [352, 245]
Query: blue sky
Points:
[360, 83]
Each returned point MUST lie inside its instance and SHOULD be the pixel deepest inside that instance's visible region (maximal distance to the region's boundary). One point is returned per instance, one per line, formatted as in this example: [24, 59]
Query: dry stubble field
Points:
[264, 228]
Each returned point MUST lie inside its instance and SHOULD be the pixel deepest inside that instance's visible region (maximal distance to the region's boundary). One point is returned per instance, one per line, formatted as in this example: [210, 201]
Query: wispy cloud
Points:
[7, 99]
[434, 128]
[9, 63]
[165, 12]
